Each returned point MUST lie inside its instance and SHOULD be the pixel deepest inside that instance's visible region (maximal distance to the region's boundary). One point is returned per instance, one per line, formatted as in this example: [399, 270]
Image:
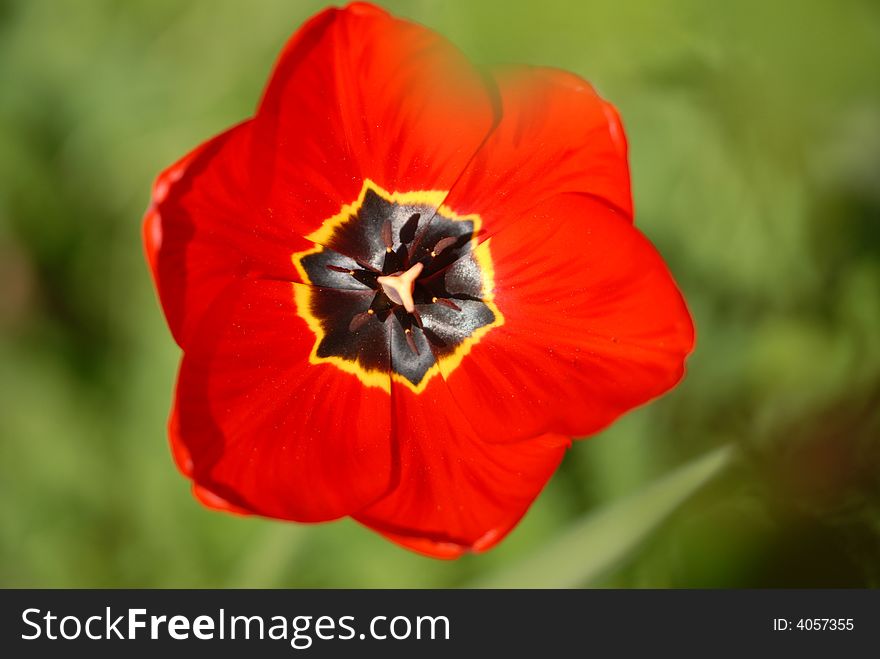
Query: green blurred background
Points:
[754, 131]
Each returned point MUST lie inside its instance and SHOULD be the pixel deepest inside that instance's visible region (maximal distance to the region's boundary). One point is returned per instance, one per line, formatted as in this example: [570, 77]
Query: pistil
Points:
[399, 286]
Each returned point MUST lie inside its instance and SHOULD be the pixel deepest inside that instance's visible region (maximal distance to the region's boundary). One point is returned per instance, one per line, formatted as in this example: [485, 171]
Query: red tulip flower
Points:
[402, 286]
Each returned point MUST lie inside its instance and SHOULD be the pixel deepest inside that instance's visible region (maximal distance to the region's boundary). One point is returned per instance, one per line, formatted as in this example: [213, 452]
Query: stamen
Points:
[446, 303]
[408, 230]
[443, 244]
[387, 238]
[359, 320]
[410, 341]
[338, 268]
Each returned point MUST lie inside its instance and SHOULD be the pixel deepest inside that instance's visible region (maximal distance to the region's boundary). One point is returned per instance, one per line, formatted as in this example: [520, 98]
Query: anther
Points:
[443, 244]
[387, 238]
[337, 268]
[359, 320]
[410, 341]
[446, 303]
[409, 228]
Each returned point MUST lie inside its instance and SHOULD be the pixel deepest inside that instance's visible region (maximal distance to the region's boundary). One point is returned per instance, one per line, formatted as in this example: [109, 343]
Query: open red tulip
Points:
[403, 286]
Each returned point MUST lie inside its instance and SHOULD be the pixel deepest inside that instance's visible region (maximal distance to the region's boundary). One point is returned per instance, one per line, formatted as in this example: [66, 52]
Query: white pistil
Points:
[399, 287]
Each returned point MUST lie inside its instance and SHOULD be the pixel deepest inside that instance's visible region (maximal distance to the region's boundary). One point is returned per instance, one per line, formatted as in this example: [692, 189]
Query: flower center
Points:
[395, 285]
[411, 274]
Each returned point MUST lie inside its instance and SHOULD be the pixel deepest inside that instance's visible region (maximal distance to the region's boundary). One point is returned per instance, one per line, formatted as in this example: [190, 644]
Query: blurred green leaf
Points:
[605, 537]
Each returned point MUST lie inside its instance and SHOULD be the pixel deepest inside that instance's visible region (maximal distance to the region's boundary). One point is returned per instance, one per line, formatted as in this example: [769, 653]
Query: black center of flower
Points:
[396, 284]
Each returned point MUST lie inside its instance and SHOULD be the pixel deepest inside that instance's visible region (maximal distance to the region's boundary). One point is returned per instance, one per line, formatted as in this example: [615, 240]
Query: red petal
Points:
[184, 462]
[556, 135]
[358, 94]
[211, 500]
[265, 430]
[456, 493]
[200, 231]
[593, 325]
